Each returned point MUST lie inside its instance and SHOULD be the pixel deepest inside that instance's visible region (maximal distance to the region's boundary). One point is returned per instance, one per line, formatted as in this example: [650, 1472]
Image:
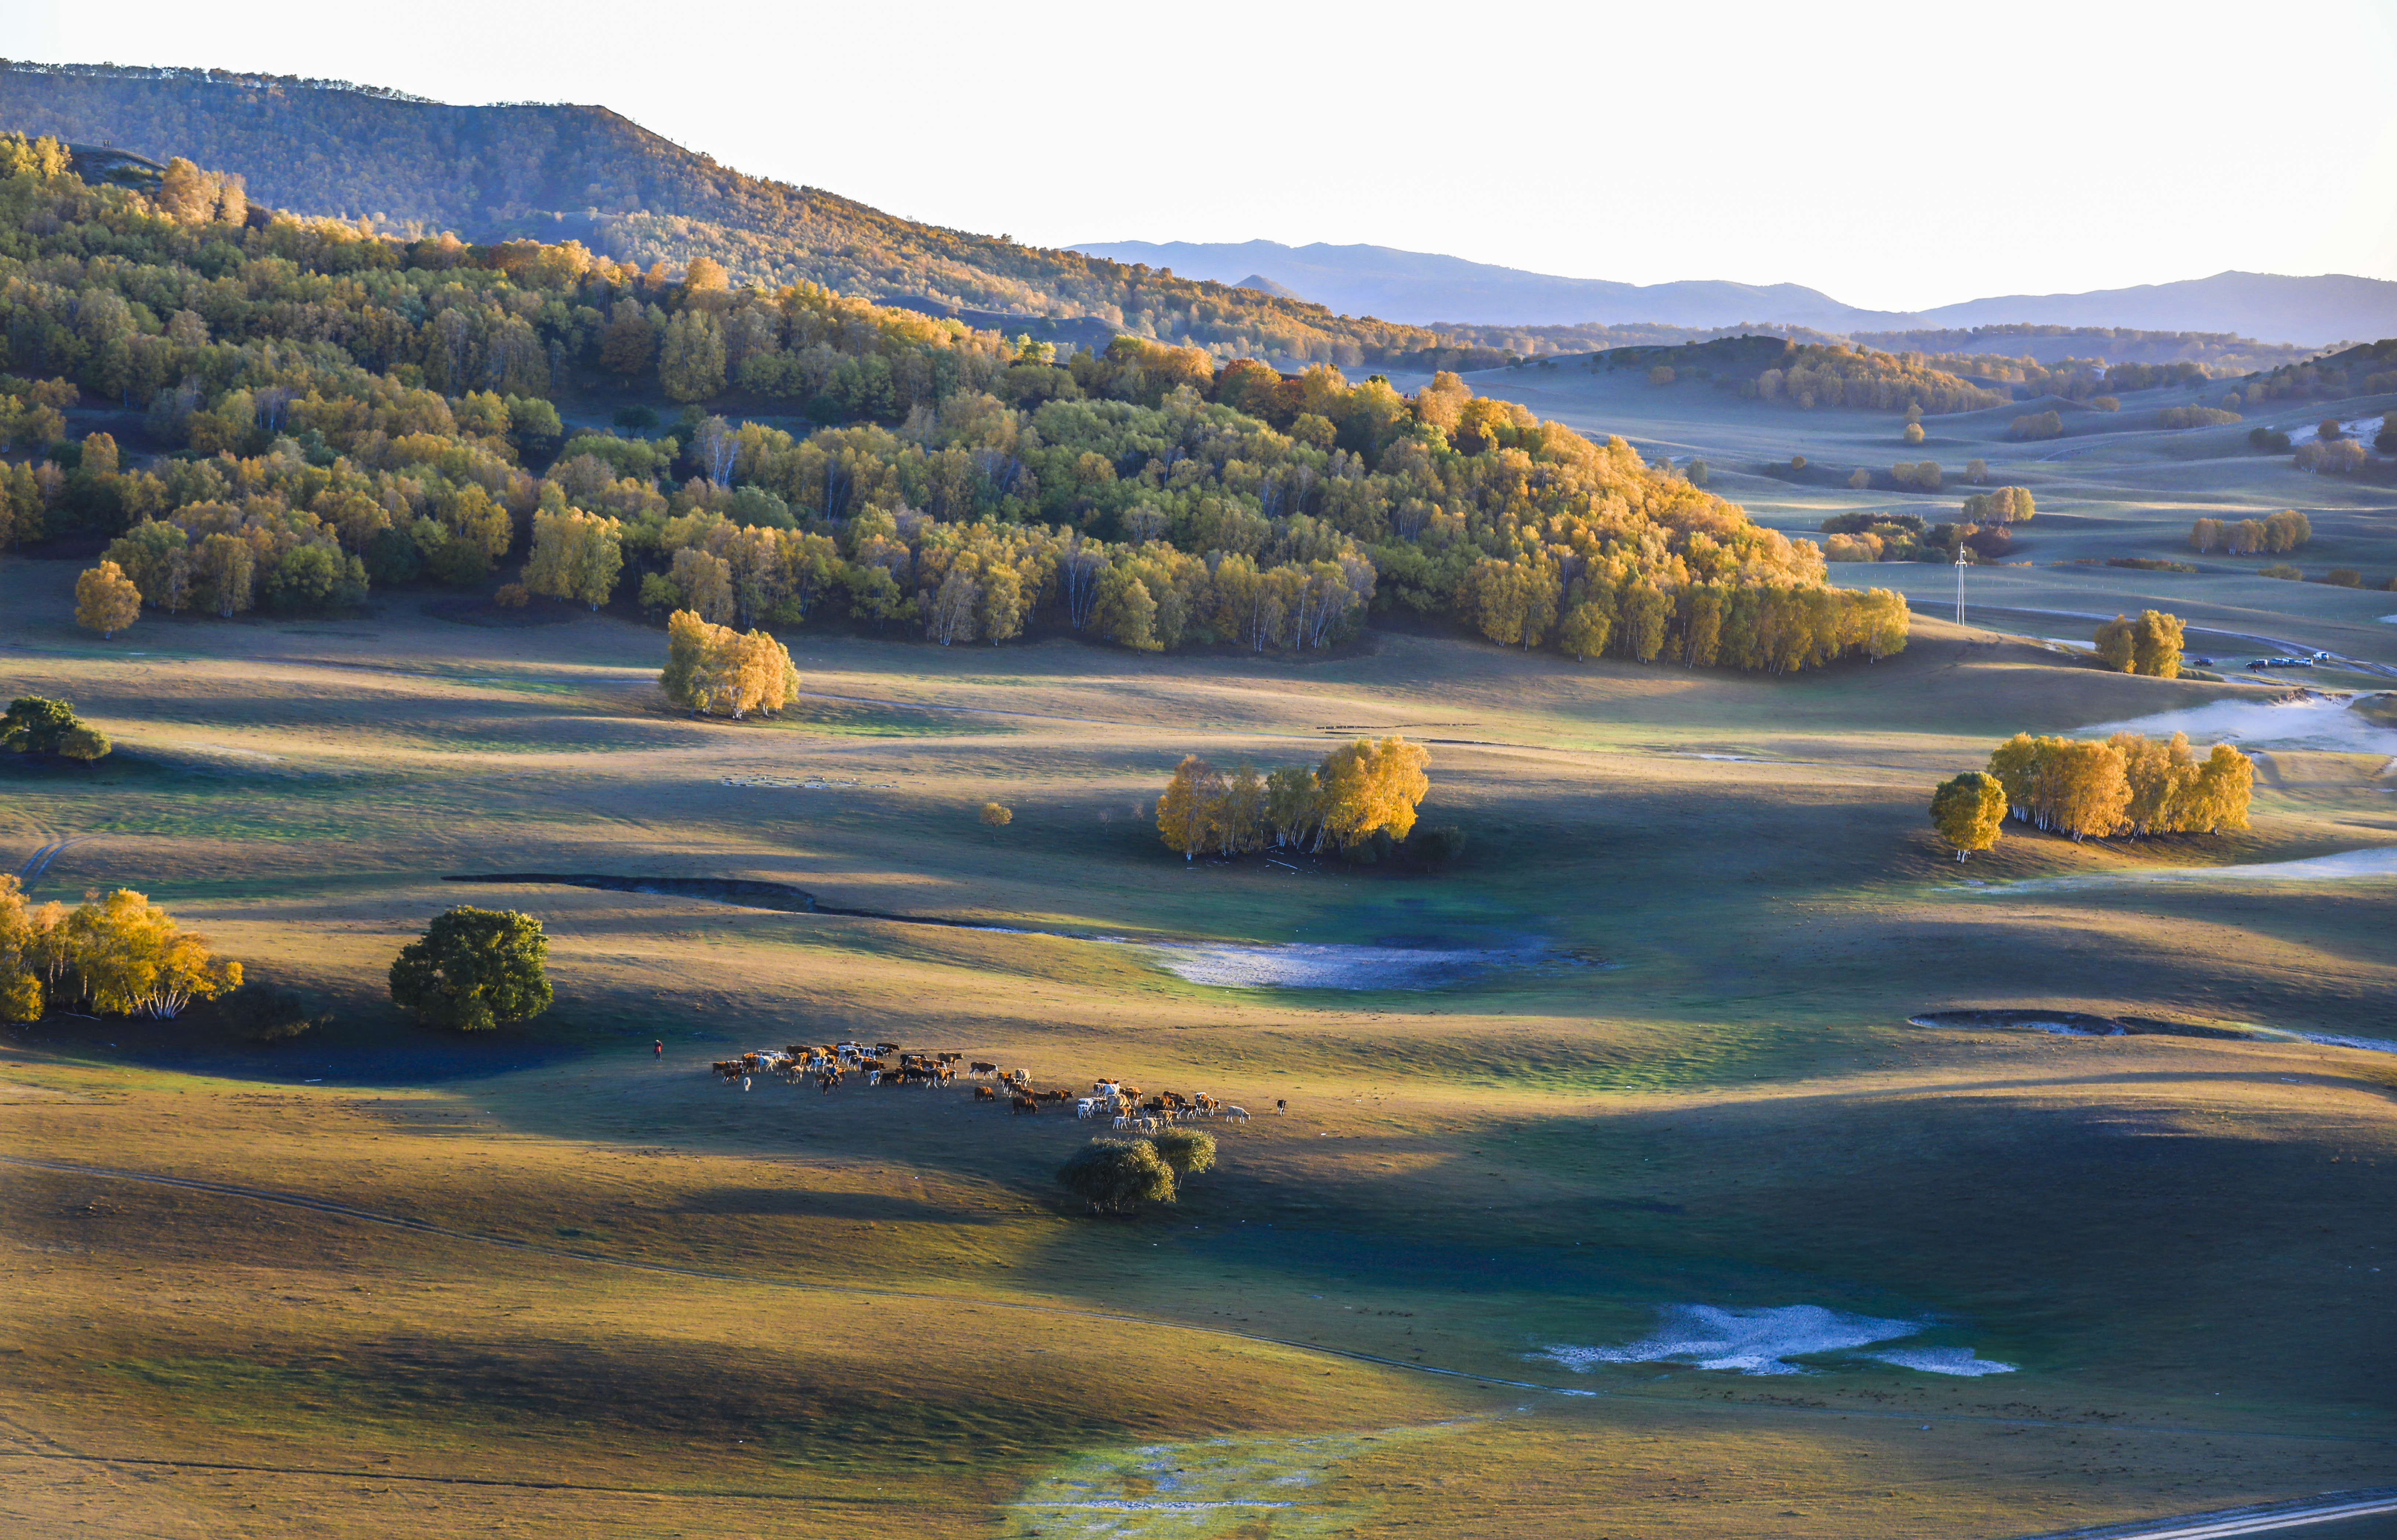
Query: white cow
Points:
[1238, 1114]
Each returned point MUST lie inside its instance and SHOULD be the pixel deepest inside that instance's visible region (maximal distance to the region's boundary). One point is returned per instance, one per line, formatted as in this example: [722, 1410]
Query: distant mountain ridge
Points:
[1395, 284]
[1427, 290]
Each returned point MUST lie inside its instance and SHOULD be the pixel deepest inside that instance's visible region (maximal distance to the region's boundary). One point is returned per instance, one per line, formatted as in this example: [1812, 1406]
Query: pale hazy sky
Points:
[1893, 155]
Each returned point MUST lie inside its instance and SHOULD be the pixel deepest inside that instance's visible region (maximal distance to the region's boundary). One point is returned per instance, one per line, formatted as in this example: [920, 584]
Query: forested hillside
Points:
[557, 172]
[342, 411]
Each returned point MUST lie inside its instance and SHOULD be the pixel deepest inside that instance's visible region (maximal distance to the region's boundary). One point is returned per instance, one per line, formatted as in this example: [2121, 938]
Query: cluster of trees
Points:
[1920, 476]
[1362, 791]
[1908, 537]
[1116, 1176]
[35, 724]
[2332, 455]
[473, 971]
[362, 411]
[2045, 425]
[2285, 531]
[116, 955]
[2149, 644]
[2367, 369]
[2001, 505]
[713, 668]
[2126, 785]
[1838, 375]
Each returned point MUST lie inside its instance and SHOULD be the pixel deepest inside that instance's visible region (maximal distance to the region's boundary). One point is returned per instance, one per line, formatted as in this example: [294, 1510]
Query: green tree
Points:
[85, 744]
[2117, 647]
[35, 724]
[473, 971]
[1189, 1151]
[690, 359]
[1968, 812]
[1118, 1175]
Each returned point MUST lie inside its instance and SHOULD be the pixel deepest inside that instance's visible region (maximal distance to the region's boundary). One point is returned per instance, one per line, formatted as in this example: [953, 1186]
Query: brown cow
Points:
[982, 1066]
[1022, 1104]
[984, 1094]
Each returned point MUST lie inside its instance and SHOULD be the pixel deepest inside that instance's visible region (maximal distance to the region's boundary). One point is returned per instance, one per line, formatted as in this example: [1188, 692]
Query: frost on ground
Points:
[1762, 1341]
[1221, 1487]
[2312, 723]
[1302, 965]
[2345, 866]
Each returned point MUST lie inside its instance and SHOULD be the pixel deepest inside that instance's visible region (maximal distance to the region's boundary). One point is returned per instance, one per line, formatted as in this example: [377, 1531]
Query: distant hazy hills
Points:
[1421, 287]
[559, 171]
[1426, 289]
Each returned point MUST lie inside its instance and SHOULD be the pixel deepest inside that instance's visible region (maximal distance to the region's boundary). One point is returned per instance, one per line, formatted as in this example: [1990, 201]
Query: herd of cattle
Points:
[884, 1064]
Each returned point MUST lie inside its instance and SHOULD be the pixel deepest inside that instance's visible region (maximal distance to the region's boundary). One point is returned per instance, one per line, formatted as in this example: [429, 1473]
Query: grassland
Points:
[379, 1280]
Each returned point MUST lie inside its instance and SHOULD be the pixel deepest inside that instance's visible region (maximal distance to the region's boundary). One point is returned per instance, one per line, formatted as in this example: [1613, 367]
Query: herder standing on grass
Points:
[658, 1048]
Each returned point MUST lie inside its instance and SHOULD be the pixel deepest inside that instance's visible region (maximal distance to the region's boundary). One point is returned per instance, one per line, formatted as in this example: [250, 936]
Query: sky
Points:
[1895, 156]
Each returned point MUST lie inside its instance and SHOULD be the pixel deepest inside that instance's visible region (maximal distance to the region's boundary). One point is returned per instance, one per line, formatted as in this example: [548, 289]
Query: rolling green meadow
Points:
[377, 1279]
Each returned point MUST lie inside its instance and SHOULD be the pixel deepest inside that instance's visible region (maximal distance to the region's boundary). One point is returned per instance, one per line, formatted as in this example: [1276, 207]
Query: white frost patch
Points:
[2328, 1039]
[2345, 866]
[2308, 724]
[1761, 1340]
[1942, 1360]
[1307, 965]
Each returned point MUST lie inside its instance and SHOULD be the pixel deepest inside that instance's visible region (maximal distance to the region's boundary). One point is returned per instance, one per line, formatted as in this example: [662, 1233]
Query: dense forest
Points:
[2219, 353]
[344, 411]
[556, 172]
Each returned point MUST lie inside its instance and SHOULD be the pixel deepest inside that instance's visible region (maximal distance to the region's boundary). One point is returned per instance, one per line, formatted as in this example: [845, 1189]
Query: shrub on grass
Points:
[2343, 577]
[1118, 1175]
[996, 817]
[1189, 1151]
[473, 971]
[35, 724]
[2282, 570]
[267, 1012]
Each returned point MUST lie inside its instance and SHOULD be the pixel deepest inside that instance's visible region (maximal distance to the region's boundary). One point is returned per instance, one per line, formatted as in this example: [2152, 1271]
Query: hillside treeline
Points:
[1806, 375]
[2216, 352]
[411, 165]
[353, 411]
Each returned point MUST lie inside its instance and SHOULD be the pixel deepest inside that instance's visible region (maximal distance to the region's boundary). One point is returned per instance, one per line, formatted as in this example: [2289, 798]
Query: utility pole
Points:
[1962, 562]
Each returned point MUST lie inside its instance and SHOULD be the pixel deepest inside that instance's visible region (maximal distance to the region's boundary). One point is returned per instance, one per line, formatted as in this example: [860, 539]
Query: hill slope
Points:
[559, 172]
[1428, 289]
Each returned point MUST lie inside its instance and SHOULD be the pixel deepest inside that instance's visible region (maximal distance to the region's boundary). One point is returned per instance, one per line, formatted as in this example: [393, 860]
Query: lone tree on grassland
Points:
[712, 668]
[106, 601]
[475, 969]
[1968, 812]
[1118, 1175]
[996, 817]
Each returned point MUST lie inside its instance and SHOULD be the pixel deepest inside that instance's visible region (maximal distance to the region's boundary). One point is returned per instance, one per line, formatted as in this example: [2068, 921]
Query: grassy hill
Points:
[575, 172]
